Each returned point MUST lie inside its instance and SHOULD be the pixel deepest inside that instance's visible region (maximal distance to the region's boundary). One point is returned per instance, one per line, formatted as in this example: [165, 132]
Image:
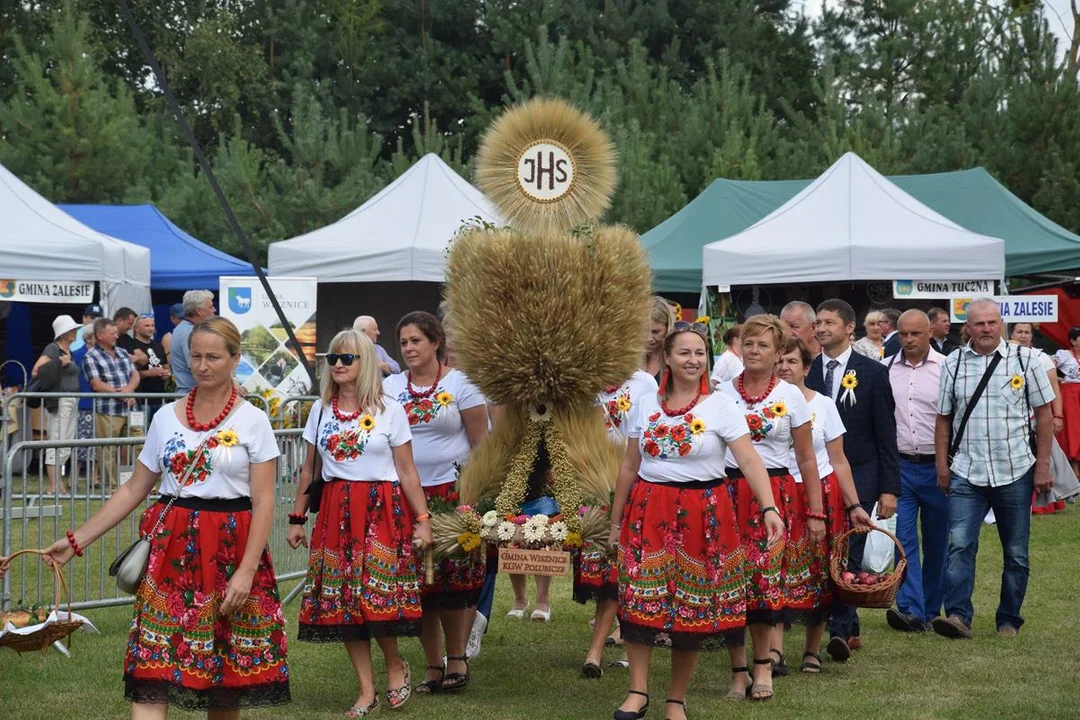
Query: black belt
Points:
[920, 459]
[690, 484]
[209, 504]
[736, 473]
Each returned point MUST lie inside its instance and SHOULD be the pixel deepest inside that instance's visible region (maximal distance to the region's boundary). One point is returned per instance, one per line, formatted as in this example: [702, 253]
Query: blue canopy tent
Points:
[178, 262]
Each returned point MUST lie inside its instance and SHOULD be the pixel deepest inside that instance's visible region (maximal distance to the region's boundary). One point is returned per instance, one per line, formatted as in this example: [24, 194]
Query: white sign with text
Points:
[930, 289]
[1014, 308]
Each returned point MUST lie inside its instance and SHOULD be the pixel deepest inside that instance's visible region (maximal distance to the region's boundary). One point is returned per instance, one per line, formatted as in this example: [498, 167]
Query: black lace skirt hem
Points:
[585, 594]
[681, 641]
[450, 600]
[764, 617]
[353, 633]
[159, 692]
[808, 618]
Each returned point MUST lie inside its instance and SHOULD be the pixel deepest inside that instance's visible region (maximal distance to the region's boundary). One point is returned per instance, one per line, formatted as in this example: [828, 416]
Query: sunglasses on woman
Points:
[683, 326]
[345, 358]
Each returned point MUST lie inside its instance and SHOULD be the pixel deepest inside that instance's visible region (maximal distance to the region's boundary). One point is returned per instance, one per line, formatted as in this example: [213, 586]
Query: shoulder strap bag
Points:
[315, 487]
[959, 434]
[129, 567]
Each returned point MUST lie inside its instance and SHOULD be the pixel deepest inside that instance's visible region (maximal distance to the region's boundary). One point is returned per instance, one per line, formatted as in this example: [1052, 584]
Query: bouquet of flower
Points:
[463, 531]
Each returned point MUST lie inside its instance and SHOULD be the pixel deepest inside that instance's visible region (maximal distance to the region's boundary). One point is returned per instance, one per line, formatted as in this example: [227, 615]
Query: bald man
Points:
[915, 377]
[367, 325]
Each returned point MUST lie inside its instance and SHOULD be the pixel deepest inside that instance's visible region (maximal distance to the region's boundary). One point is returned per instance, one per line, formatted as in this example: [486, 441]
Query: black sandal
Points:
[671, 701]
[430, 687]
[456, 681]
[630, 714]
[779, 669]
[591, 671]
[809, 667]
[743, 695]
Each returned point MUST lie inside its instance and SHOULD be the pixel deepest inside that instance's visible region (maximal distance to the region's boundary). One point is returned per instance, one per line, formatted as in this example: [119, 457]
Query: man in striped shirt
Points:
[993, 467]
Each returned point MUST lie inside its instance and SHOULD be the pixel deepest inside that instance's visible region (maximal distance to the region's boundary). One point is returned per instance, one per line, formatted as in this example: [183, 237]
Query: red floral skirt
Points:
[181, 651]
[808, 589]
[1069, 437]
[363, 579]
[595, 576]
[457, 580]
[765, 592]
[681, 582]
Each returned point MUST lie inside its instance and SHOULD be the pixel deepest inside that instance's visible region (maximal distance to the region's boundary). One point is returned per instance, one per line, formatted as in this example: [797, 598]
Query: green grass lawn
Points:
[530, 671]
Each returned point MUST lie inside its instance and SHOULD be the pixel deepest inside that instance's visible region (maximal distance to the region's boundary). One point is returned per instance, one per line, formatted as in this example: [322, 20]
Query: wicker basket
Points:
[880, 595]
[44, 638]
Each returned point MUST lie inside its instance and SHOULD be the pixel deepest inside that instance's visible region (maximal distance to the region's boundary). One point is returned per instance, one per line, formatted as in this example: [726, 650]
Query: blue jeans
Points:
[922, 502]
[968, 505]
[545, 505]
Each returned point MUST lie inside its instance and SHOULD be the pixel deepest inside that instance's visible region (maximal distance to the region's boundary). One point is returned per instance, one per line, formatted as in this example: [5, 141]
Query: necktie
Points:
[831, 365]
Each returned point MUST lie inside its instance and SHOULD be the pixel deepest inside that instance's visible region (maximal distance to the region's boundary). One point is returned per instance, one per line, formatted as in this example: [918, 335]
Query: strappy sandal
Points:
[738, 696]
[757, 688]
[592, 671]
[779, 669]
[632, 714]
[430, 687]
[396, 698]
[671, 701]
[809, 667]
[456, 681]
[360, 711]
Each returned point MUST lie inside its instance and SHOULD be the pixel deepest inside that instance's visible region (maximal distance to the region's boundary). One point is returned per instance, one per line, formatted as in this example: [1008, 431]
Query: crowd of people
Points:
[732, 492]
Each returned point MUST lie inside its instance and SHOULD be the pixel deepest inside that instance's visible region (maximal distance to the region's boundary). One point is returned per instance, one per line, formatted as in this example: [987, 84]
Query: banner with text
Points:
[1014, 308]
[72, 292]
[930, 289]
[269, 365]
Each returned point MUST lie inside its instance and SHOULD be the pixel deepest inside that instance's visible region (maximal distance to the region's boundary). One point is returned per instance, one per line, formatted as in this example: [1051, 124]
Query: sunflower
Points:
[849, 382]
[623, 403]
[697, 426]
[468, 541]
[779, 409]
[444, 398]
[1016, 382]
[227, 438]
[704, 320]
[367, 423]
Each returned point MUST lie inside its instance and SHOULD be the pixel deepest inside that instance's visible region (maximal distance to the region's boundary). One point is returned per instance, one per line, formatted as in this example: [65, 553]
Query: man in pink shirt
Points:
[915, 375]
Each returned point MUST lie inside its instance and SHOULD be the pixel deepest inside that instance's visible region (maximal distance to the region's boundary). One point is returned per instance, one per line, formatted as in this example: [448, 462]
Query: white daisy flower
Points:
[533, 533]
[539, 520]
[507, 530]
[558, 531]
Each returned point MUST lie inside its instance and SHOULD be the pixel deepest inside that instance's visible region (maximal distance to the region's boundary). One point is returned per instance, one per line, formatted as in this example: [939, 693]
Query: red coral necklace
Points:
[416, 394]
[752, 400]
[343, 417]
[680, 411]
[203, 427]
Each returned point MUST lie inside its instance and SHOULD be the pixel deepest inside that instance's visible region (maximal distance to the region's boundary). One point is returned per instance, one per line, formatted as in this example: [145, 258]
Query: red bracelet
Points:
[74, 545]
[816, 516]
[297, 518]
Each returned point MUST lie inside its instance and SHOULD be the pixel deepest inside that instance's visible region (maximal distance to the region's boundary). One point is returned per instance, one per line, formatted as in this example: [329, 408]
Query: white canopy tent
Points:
[399, 235]
[852, 224]
[39, 241]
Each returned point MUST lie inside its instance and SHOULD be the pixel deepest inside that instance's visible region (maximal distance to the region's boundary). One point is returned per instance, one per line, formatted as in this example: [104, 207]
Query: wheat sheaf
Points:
[558, 122]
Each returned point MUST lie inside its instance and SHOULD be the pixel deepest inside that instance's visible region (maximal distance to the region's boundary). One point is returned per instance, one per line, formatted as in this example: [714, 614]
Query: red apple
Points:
[871, 580]
[847, 576]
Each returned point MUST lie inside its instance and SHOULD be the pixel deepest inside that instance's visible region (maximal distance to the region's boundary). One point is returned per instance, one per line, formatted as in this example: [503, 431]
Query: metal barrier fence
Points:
[36, 512]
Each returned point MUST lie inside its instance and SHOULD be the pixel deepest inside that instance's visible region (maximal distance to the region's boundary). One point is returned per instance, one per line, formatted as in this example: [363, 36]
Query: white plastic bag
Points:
[879, 555]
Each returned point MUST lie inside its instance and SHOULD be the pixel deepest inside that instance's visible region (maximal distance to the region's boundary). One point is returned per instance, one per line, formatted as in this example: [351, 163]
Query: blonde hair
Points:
[223, 328]
[767, 325]
[661, 312]
[872, 317]
[369, 390]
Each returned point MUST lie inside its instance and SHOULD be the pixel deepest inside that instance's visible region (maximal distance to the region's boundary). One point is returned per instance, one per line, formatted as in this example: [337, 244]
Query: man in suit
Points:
[860, 387]
[889, 319]
[939, 331]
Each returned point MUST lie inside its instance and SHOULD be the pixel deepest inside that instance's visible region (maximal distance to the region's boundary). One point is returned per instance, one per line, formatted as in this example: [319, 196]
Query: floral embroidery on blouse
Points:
[344, 444]
[616, 409]
[666, 438]
[424, 410]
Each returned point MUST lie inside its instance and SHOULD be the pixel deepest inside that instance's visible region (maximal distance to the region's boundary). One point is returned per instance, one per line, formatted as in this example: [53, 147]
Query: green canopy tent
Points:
[972, 199]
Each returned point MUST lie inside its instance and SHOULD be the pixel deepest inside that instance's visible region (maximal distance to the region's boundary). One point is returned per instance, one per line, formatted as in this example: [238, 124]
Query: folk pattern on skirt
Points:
[180, 650]
[457, 580]
[595, 576]
[363, 578]
[765, 564]
[680, 568]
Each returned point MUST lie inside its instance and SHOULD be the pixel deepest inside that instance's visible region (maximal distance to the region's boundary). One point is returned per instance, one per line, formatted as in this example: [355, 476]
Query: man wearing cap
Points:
[109, 369]
[198, 307]
[91, 313]
[58, 373]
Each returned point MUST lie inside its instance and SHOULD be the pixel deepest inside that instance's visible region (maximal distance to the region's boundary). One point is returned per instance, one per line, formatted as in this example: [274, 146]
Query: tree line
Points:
[309, 107]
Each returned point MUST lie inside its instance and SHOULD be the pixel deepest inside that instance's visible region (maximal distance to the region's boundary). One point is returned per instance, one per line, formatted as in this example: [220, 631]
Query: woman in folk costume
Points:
[840, 498]
[448, 417]
[778, 418]
[208, 632]
[596, 577]
[681, 562]
[363, 575]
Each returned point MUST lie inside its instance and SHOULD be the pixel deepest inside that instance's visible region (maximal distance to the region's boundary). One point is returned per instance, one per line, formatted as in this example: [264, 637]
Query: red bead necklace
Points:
[680, 411]
[754, 400]
[340, 415]
[416, 394]
[203, 427]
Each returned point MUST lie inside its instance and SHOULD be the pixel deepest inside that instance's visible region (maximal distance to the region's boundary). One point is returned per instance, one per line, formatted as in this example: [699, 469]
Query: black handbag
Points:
[314, 489]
